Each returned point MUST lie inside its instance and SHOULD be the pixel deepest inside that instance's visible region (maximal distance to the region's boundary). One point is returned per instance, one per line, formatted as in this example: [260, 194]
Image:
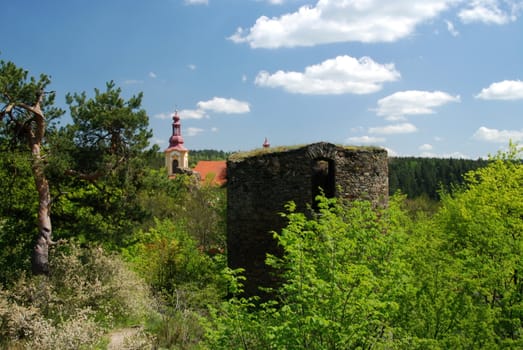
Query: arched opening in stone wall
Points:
[323, 179]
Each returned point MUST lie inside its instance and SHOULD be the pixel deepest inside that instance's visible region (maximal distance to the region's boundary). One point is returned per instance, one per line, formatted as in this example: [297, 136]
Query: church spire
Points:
[176, 140]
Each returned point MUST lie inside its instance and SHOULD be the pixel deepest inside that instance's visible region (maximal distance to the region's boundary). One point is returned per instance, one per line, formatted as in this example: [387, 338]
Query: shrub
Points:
[87, 291]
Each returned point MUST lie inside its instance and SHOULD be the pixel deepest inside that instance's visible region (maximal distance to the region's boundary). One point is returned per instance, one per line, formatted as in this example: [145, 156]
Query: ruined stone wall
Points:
[260, 184]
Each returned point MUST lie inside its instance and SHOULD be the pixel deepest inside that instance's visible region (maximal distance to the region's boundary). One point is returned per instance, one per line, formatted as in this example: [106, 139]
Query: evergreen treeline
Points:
[206, 154]
[416, 176]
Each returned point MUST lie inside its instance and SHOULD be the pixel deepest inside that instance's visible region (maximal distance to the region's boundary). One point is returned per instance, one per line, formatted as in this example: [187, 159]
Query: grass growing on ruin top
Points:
[239, 156]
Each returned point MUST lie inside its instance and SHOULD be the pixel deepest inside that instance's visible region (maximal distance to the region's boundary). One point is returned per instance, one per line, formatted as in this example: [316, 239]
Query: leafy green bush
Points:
[341, 279]
[184, 278]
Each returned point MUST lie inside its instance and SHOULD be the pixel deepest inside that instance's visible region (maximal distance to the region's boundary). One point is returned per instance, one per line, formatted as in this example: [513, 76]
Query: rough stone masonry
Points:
[260, 183]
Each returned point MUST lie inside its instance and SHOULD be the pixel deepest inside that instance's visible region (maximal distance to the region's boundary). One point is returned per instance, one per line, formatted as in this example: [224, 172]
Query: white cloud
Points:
[404, 128]
[156, 141]
[491, 11]
[191, 66]
[214, 129]
[391, 152]
[413, 102]
[191, 131]
[366, 139]
[331, 21]
[503, 90]
[244, 78]
[152, 75]
[224, 105]
[498, 136]
[445, 155]
[452, 30]
[425, 147]
[162, 116]
[192, 114]
[340, 75]
[196, 2]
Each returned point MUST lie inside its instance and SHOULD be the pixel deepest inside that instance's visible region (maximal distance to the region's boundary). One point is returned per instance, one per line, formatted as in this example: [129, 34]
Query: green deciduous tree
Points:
[341, 282]
[483, 228]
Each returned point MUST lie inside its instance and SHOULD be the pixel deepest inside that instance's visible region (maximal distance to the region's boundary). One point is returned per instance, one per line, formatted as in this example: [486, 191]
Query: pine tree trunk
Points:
[40, 257]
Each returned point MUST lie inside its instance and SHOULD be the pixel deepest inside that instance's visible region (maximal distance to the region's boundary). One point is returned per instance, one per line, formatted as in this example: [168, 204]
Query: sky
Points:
[431, 78]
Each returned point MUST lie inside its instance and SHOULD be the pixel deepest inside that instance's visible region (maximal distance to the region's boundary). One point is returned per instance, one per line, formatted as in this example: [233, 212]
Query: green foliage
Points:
[204, 213]
[17, 215]
[184, 279]
[101, 167]
[17, 90]
[341, 278]
[107, 128]
[483, 228]
[169, 259]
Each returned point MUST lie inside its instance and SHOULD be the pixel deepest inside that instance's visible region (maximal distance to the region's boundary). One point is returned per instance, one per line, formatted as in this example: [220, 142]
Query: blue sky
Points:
[437, 78]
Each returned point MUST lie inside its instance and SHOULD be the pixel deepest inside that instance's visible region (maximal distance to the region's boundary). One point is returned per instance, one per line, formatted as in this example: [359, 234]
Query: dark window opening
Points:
[175, 166]
[323, 179]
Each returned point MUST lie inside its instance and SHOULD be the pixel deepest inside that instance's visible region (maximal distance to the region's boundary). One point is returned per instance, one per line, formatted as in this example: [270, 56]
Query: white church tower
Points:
[176, 156]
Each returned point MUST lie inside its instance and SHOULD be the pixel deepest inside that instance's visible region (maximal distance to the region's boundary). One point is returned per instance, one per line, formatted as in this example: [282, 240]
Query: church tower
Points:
[176, 156]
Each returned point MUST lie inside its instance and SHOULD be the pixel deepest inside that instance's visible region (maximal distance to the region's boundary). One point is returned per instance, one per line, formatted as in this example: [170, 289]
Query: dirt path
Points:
[117, 337]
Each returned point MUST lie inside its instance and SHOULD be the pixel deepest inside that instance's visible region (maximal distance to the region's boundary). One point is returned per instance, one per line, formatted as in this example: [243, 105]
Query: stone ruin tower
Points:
[261, 182]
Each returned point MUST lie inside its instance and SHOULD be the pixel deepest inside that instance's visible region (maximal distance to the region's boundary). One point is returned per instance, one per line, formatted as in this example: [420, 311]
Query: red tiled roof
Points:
[213, 170]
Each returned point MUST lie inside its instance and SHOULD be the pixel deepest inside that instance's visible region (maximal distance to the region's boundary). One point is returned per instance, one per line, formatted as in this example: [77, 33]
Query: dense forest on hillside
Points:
[416, 176]
[96, 240]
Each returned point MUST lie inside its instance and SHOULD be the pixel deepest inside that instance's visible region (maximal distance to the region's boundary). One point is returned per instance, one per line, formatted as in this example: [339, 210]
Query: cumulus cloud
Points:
[404, 128]
[340, 75]
[491, 11]
[152, 75]
[425, 147]
[196, 2]
[192, 114]
[331, 21]
[391, 152]
[455, 155]
[498, 136]
[366, 140]
[224, 105]
[184, 114]
[191, 131]
[452, 30]
[162, 116]
[157, 141]
[412, 102]
[503, 90]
